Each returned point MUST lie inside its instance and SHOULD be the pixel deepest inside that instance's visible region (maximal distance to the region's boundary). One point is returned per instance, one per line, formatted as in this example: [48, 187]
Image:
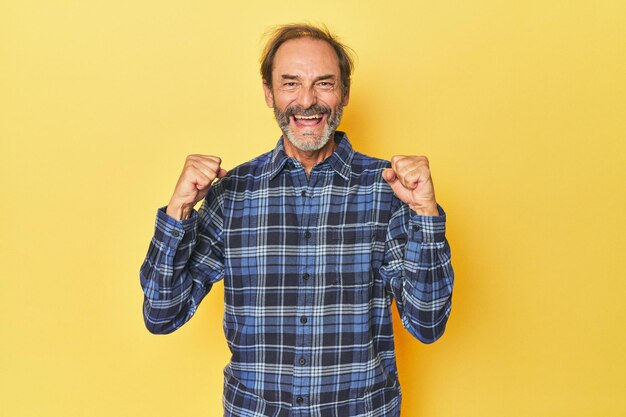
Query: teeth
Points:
[315, 116]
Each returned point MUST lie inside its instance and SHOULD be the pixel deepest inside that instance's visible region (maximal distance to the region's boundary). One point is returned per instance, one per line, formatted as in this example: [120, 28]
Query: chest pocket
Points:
[349, 254]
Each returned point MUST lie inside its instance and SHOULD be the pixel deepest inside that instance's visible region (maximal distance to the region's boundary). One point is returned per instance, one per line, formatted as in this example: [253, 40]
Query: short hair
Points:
[284, 33]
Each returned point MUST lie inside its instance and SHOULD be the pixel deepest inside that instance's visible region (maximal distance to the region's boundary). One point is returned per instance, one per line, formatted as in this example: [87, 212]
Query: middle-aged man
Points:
[313, 241]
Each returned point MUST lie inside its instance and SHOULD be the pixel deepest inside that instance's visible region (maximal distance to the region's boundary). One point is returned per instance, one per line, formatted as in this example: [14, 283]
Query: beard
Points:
[309, 141]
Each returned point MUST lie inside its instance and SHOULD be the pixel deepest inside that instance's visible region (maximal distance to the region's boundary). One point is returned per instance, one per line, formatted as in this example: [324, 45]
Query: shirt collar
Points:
[340, 160]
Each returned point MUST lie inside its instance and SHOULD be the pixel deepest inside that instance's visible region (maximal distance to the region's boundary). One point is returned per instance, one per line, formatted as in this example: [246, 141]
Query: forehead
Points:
[305, 56]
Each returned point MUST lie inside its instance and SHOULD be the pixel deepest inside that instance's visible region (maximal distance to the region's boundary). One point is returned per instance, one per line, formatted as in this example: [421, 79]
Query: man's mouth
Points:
[308, 121]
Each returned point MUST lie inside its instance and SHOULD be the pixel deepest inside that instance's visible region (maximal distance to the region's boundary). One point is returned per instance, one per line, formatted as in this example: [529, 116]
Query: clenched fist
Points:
[193, 185]
[410, 180]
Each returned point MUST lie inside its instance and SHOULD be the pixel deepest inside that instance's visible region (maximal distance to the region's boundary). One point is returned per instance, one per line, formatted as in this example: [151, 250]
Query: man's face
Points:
[306, 92]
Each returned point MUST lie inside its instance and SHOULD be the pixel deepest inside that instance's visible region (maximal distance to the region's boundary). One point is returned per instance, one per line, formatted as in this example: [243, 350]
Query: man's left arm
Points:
[417, 268]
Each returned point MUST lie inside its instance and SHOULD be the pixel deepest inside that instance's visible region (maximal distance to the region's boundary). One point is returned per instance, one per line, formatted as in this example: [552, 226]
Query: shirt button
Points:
[302, 361]
[303, 193]
[299, 400]
[306, 276]
[416, 228]
[303, 320]
[175, 233]
[307, 234]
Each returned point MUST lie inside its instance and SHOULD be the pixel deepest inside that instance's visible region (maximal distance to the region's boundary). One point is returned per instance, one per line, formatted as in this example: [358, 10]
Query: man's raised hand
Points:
[409, 178]
[193, 184]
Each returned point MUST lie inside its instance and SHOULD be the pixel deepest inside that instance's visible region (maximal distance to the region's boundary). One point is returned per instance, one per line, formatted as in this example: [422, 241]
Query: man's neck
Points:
[309, 159]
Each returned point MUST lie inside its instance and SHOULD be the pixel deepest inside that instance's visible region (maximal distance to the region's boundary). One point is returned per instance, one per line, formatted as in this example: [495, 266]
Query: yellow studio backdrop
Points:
[521, 107]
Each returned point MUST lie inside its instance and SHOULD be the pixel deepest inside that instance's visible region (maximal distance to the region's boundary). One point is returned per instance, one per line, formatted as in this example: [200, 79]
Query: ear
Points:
[269, 97]
[346, 97]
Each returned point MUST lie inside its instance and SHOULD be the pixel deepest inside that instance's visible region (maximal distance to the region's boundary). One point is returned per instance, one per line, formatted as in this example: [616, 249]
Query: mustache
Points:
[282, 117]
[316, 109]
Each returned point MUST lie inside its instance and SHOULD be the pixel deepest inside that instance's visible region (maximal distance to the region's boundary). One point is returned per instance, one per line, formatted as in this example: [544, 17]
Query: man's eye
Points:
[325, 84]
[289, 85]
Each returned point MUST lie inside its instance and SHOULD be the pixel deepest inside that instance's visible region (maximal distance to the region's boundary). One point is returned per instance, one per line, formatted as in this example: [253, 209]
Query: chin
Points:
[308, 144]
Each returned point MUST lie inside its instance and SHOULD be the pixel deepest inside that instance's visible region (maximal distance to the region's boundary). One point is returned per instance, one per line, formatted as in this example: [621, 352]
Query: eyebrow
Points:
[297, 77]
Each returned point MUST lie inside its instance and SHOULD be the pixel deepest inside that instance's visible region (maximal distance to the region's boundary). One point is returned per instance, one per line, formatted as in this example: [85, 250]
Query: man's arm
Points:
[418, 273]
[185, 256]
[417, 269]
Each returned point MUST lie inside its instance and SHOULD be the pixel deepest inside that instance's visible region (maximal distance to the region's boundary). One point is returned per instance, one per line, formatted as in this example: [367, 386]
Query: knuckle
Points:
[212, 162]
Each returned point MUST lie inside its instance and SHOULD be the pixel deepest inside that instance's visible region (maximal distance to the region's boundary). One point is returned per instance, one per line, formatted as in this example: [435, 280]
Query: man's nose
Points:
[307, 97]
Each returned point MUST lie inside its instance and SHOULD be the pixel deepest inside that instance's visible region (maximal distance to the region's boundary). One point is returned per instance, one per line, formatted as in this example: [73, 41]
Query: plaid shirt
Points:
[310, 267]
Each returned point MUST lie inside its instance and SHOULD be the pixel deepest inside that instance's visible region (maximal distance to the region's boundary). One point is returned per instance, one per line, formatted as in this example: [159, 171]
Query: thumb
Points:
[398, 189]
[390, 176]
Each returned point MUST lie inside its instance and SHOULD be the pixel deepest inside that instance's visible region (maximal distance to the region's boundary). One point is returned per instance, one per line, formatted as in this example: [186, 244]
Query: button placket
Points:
[306, 261]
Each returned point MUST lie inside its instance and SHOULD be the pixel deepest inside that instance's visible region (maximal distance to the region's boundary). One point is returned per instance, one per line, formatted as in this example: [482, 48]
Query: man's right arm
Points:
[185, 256]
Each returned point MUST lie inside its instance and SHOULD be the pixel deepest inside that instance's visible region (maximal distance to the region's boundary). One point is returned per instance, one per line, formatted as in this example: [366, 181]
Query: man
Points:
[313, 241]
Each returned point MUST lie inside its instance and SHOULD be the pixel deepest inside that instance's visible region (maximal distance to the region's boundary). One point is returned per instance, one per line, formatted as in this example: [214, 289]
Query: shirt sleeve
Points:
[418, 272]
[184, 259]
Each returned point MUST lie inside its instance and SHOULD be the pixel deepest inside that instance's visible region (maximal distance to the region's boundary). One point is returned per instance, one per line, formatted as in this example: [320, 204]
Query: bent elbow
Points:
[430, 335]
[428, 332]
[157, 327]
[158, 321]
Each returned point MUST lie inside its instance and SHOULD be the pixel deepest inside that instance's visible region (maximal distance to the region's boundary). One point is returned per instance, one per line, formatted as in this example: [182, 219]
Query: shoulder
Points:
[362, 164]
[240, 177]
[252, 167]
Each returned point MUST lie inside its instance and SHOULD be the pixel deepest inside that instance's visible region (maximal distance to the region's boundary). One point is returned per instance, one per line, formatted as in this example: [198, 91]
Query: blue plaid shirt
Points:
[310, 268]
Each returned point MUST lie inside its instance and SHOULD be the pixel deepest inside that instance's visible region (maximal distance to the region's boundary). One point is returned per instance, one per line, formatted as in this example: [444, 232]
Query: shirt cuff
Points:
[172, 232]
[431, 229]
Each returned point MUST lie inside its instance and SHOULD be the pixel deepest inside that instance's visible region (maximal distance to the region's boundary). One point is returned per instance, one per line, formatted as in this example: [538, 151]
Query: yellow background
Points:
[521, 107]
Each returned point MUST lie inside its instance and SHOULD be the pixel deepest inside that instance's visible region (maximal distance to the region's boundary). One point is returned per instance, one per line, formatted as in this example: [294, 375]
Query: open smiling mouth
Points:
[308, 121]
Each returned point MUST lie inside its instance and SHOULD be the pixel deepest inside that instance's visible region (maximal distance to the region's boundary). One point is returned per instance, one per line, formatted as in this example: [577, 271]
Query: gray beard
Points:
[309, 142]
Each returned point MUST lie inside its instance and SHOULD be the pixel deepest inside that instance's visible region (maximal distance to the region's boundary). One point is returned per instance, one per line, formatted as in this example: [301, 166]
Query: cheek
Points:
[332, 100]
[282, 101]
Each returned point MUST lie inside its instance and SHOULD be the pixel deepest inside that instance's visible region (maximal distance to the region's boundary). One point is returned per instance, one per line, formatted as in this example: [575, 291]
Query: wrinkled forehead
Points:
[305, 57]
